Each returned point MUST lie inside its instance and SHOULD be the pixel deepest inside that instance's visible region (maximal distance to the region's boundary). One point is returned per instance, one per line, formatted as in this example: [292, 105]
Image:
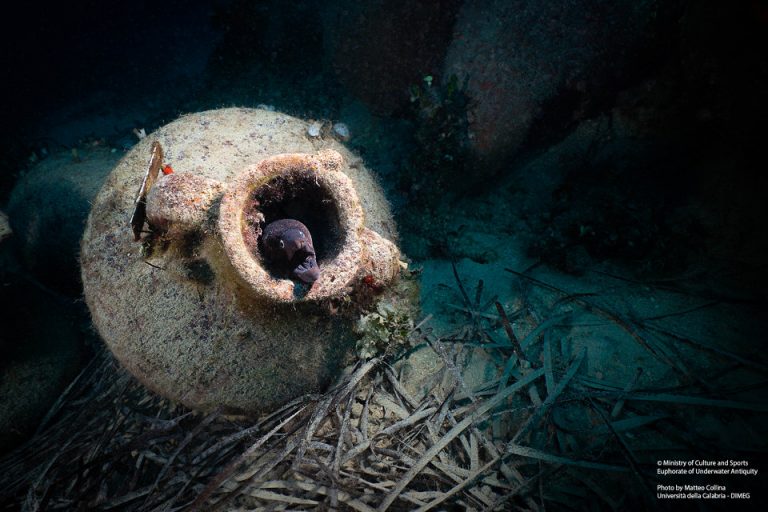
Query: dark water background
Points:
[689, 75]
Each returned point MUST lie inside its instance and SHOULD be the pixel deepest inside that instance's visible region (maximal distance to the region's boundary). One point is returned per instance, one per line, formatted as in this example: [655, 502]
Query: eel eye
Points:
[282, 244]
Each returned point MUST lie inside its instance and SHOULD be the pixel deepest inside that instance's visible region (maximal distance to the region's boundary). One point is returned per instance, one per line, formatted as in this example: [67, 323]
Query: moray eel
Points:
[287, 242]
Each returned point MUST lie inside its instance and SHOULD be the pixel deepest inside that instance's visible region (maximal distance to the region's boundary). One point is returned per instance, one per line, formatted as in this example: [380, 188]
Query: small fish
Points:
[287, 242]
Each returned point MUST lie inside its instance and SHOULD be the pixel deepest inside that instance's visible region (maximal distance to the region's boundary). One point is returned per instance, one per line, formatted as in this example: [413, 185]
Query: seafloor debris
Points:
[341, 131]
[538, 436]
[153, 169]
[315, 129]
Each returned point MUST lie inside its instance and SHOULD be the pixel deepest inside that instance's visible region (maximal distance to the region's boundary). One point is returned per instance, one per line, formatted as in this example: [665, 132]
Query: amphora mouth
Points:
[307, 188]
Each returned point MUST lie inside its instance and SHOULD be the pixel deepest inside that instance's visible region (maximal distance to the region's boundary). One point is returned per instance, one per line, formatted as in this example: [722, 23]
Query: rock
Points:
[48, 208]
[532, 69]
[193, 310]
[423, 369]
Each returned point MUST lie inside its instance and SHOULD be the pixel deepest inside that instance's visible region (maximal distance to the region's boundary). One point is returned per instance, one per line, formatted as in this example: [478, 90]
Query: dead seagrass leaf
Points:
[153, 168]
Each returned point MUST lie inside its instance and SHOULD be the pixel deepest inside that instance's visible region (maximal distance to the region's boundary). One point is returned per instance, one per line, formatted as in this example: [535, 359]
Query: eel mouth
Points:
[307, 270]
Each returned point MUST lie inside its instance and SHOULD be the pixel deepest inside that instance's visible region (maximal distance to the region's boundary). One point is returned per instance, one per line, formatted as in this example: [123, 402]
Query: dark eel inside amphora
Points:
[287, 243]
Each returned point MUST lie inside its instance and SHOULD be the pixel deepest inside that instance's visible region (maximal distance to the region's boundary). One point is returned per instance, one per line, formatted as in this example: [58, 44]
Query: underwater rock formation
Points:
[47, 210]
[543, 66]
[193, 309]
